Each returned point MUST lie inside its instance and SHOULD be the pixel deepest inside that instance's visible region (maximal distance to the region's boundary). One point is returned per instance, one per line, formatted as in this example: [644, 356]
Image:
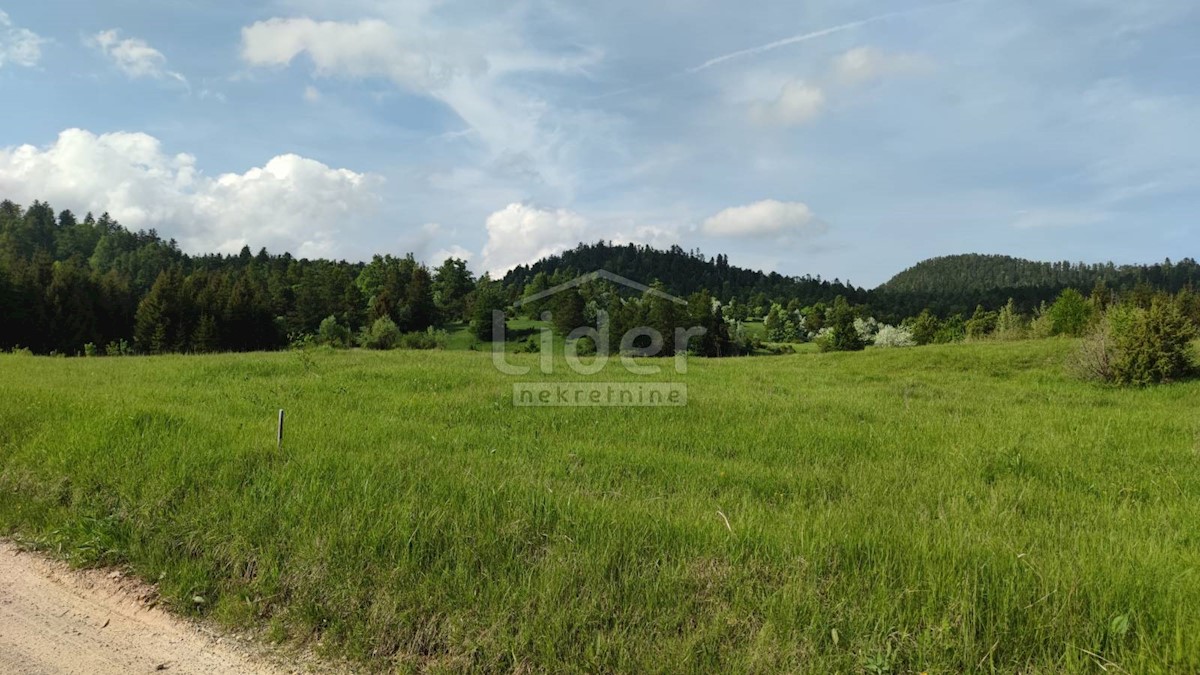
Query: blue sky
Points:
[847, 139]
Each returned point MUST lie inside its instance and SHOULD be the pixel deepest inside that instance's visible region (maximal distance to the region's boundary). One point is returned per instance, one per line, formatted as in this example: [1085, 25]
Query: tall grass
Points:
[952, 509]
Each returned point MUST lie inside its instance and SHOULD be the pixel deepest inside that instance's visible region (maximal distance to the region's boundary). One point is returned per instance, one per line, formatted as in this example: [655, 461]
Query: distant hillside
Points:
[957, 283]
[685, 272]
[975, 272]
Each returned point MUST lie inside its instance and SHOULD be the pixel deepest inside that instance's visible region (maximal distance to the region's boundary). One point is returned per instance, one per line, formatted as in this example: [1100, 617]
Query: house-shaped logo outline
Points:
[600, 274]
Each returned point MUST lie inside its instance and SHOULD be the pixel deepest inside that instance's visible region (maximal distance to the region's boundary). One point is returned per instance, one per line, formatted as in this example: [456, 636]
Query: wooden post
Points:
[279, 435]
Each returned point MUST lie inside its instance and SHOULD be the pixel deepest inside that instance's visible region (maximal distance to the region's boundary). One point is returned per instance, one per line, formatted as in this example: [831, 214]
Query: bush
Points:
[891, 336]
[119, 348]
[429, 339]
[953, 329]
[1154, 346]
[1010, 324]
[924, 327]
[332, 333]
[842, 335]
[1071, 314]
[867, 329]
[383, 334]
[1133, 346]
[89, 349]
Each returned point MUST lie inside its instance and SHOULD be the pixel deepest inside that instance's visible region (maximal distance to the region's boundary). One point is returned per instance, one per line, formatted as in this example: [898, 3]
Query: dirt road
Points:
[57, 620]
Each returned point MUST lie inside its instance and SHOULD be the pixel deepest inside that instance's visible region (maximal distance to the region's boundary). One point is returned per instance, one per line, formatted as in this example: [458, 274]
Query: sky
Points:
[848, 139]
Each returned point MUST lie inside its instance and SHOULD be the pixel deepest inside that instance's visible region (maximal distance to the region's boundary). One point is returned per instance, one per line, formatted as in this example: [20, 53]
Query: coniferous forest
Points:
[74, 285]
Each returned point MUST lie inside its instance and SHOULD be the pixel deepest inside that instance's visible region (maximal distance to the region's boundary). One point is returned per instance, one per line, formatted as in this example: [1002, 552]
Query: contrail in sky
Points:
[795, 39]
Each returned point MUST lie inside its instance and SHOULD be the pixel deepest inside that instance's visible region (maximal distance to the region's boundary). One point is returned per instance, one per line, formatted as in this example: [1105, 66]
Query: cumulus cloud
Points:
[18, 46]
[768, 218]
[796, 104]
[863, 64]
[134, 56]
[520, 234]
[291, 203]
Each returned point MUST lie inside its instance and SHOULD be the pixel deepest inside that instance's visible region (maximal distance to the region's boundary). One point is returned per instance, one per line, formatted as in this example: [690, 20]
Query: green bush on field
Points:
[333, 333]
[383, 334]
[428, 339]
[1135, 346]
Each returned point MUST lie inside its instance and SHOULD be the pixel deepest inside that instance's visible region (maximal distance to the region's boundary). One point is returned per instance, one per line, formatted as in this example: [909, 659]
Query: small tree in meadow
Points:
[1071, 314]
[924, 327]
[981, 324]
[383, 334]
[1010, 324]
[842, 336]
[332, 333]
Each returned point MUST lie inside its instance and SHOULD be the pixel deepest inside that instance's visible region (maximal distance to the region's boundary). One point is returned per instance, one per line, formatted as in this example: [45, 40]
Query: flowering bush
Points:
[892, 336]
[867, 329]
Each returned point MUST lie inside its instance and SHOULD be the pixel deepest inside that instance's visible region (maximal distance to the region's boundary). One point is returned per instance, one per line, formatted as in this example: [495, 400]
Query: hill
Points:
[686, 272]
[957, 283]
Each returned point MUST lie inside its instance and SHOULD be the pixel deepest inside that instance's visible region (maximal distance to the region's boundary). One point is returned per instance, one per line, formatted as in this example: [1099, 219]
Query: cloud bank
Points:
[290, 203]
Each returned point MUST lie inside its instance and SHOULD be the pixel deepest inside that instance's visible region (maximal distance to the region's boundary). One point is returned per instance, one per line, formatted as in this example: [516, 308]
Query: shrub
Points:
[842, 335]
[981, 324]
[1133, 346]
[585, 346]
[867, 329]
[333, 333]
[1071, 314]
[383, 334]
[1010, 324]
[1154, 346]
[953, 329]
[925, 327]
[429, 339]
[118, 348]
[892, 336]
[89, 349]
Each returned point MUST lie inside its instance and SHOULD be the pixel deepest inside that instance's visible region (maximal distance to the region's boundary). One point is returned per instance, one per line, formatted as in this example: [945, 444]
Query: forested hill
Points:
[685, 272]
[957, 283]
[974, 272]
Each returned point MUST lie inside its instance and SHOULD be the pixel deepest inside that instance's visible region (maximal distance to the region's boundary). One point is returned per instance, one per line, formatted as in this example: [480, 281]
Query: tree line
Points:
[70, 285]
[73, 285]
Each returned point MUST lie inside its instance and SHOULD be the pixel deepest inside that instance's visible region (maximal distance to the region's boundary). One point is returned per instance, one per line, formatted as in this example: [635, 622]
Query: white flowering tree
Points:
[893, 336]
[867, 329]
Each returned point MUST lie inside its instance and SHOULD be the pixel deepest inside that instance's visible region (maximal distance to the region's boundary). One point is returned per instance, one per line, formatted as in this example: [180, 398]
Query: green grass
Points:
[960, 508]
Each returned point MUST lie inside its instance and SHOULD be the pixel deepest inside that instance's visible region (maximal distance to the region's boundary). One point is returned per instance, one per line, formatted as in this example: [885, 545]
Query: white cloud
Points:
[796, 104]
[768, 218]
[863, 64]
[312, 94]
[454, 251]
[468, 69]
[134, 56]
[368, 48]
[291, 203]
[520, 234]
[19, 46]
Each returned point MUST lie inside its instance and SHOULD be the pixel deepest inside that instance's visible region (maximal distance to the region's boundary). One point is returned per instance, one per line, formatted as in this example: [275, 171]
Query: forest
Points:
[71, 285]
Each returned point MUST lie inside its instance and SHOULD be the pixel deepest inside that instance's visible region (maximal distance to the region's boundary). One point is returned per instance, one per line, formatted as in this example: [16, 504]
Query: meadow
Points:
[958, 508]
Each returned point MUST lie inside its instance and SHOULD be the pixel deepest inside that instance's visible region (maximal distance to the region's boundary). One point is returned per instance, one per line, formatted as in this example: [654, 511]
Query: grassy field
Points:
[965, 508]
